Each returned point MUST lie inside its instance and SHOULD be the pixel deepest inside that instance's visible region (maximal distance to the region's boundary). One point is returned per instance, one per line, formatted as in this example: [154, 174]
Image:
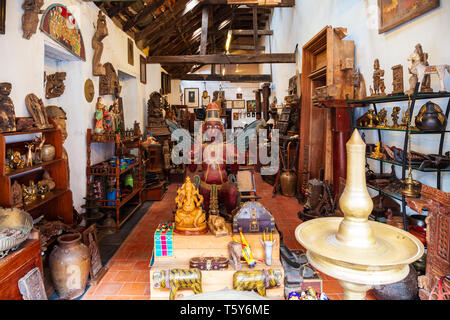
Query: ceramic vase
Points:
[48, 152]
[69, 266]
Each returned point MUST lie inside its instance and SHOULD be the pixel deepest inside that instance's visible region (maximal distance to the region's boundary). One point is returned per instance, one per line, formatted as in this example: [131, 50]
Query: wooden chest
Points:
[209, 263]
[252, 216]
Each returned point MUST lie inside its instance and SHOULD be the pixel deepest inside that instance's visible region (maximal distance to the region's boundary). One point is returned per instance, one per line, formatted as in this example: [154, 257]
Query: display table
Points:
[208, 245]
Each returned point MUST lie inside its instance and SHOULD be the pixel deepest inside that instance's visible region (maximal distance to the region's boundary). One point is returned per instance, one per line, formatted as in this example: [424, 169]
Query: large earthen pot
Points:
[69, 266]
[406, 289]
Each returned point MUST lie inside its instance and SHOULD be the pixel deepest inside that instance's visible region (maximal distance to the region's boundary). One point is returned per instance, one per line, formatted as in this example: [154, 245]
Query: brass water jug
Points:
[288, 179]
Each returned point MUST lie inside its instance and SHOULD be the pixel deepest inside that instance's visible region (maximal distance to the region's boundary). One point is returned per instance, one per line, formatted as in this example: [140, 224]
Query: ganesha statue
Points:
[189, 217]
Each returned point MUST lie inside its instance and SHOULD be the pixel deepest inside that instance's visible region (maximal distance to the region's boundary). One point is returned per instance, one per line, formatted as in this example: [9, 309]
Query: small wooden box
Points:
[163, 240]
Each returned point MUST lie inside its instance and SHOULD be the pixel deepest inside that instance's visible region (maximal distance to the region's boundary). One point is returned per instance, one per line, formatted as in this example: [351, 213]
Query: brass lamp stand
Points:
[358, 252]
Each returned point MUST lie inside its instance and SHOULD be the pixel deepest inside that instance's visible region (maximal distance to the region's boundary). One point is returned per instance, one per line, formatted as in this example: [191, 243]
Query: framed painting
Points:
[235, 116]
[191, 98]
[238, 104]
[2, 16]
[238, 95]
[229, 104]
[143, 69]
[251, 105]
[130, 52]
[59, 24]
[392, 13]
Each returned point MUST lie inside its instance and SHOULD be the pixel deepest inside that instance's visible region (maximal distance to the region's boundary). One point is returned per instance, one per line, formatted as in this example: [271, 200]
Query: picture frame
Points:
[143, 69]
[2, 16]
[191, 98]
[391, 16]
[239, 96]
[96, 269]
[165, 83]
[229, 104]
[238, 104]
[248, 114]
[235, 116]
[251, 105]
[254, 114]
[130, 52]
[206, 100]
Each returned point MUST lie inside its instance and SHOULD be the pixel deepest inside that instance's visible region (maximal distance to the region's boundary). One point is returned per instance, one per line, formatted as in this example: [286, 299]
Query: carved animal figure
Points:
[175, 279]
[258, 280]
[235, 250]
[217, 225]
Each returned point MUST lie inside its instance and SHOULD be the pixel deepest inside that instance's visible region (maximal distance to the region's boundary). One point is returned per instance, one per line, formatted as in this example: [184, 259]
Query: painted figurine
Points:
[178, 278]
[99, 119]
[268, 242]
[246, 250]
[189, 217]
[258, 280]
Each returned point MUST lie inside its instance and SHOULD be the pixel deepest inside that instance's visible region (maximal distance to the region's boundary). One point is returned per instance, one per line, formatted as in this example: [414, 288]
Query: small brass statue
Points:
[378, 81]
[377, 153]
[189, 217]
[373, 118]
[394, 115]
[382, 119]
[17, 161]
[29, 193]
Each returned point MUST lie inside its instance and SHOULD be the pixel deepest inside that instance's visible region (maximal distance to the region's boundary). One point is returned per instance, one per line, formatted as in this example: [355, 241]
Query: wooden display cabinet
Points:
[327, 65]
[58, 203]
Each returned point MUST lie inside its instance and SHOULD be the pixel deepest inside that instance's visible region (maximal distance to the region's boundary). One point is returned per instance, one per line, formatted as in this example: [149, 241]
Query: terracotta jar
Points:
[48, 152]
[431, 118]
[69, 266]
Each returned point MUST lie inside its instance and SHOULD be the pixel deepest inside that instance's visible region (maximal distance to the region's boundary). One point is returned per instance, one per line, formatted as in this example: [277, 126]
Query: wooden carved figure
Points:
[17, 195]
[359, 85]
[378, 81]
[37, 110]
[29, 161]
[7, 113]
[59, 117]
[38, 144]
[99, 119]
[55, 85]
[258, 280]
[397, 76]
[30, 19]
[189, 217]
[17, 161]
[217, 225]
[175, 279]
[420, 70]
[268, 242]
[100, 33]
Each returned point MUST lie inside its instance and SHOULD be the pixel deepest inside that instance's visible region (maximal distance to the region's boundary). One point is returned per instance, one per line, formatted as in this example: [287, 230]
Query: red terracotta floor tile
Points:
[125, 276]
[108, 288]
[331, 286]
[142, 276]
[142, 265]
[134, 289]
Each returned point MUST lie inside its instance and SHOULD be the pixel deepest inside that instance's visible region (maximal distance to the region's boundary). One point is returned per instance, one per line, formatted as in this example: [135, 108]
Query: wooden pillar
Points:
[265, 100]
[258, 99]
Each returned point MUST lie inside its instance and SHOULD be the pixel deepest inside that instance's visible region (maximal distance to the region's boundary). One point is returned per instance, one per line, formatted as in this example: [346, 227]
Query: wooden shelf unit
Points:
[57, 203]
[131, 140]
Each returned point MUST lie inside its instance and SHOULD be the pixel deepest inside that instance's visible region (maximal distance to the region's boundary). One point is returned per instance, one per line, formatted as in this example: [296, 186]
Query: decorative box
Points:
[209, 263]
[252, 216]
[163, 240]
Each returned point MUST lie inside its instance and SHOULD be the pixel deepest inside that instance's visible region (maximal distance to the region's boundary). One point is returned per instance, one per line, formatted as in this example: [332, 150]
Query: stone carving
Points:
[30, 19]
[55, 85]
[7, 113]
[109, 82]
[37, 110]
[100, 33]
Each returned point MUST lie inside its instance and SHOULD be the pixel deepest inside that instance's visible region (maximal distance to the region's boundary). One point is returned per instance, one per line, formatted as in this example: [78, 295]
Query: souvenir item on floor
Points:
[69, 264]
[54, 86]
[189, 217]
[163, 240]
[101, 31]
[431, 118]
[319, 201]
[175, 279]
[252, 216]
[258, 280]
[37, 110]
[382, 119]
[288, 177]
[421, 71]
[397, 79]
[377, 153]
[30, 18]
[208, 263]
[15, 226]
[48, 152]
[394, 116]
[268, 242]
[99, 120]
[245, 251]
[378, 81]
[217, 225]
[7, 112]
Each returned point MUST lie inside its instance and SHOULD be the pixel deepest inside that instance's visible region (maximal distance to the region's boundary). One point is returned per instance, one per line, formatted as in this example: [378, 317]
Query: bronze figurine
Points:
[394, 115]
[378, 81]
[7, 113]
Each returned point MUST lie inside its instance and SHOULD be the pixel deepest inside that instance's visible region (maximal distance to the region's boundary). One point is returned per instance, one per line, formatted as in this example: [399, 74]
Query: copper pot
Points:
[69, 266]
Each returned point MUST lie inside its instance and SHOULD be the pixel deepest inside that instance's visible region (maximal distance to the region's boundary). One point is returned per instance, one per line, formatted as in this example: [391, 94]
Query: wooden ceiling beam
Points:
[143, 14]
[244, 32]
[224, 59]
[282, 3]
[204, 34]
[227, 77]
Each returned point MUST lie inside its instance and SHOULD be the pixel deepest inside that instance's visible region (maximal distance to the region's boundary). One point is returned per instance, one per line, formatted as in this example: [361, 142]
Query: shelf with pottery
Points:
[411, 99]
[186, 247]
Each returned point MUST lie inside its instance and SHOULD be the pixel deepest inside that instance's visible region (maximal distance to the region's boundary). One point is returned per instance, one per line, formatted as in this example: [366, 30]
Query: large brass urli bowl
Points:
[14, 219]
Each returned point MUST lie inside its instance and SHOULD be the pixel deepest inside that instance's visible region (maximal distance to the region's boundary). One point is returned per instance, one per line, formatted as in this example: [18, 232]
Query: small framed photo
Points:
[239, 96]
[191, 97]
[130, 52]
[235, 116]
[251, 105]
[143, 69]
[238, 104]
[253, 114]
[248, 114]
[229, 104]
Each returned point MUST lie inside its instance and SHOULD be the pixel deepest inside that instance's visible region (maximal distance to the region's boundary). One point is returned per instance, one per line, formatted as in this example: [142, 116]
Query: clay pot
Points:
[288, 181]
[69, 264]
[48, 152]
[430, 118]
[406, 289]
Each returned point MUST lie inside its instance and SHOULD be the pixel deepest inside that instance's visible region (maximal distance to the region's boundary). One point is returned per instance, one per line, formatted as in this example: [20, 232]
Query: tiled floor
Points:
[128, 274]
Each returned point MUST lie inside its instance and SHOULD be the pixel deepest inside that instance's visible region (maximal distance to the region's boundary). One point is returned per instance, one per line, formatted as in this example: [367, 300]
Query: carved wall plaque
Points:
[109, 83]
[31, 286]
[55, 85]
[100, 33]
[89, 90]
[96, 270]
[397, 82]
[7, 113]
[30, 18]
[37, 110]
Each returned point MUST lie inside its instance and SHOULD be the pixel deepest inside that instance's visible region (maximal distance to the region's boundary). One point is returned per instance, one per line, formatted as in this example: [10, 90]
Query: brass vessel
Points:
[358, 252]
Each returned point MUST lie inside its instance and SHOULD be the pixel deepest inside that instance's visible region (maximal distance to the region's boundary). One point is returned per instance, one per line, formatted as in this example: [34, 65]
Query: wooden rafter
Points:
[143, 14]
[224, 59]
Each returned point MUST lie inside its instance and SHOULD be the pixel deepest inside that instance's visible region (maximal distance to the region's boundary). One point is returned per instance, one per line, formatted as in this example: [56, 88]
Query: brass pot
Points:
[69, 264]
[48, 152]
[288, 181]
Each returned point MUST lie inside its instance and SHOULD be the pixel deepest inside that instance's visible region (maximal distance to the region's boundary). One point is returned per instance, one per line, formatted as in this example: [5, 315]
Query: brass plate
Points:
[89, 90]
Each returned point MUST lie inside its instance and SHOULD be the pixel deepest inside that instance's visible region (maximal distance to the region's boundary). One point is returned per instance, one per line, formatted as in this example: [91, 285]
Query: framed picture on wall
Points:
[251, 105]
[253, 114]
[143, 69]
[238, 95]
[229, 104]
[248, 114]
[191, 97]
[235, 116]
[238, 104]
[130, 52]
[394, 13]
[2, 16]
